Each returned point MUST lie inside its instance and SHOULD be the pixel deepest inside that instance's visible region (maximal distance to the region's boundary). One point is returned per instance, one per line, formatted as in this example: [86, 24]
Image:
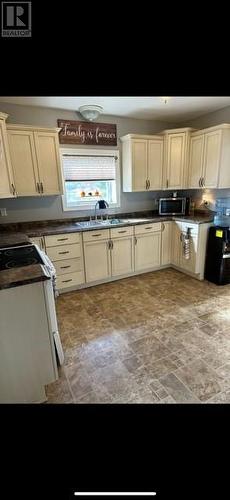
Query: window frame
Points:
[86, 152]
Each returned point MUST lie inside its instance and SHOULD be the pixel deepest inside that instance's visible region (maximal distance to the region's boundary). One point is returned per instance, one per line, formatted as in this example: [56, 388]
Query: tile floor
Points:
[160, 337]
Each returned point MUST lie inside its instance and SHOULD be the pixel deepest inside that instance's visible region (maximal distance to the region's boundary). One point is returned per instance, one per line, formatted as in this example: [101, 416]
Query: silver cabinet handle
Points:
[42, 190]
[135, 240]
[163, 226]
[111, 245]
[146, 184]
[125, 231]
[66, 281]
[64, 267]
[13, 189]
[38, 187]
[167, 183]
[203, 182]
[181, 236]
[62, 253]
[149, 184]
[95, 235]
[200, 182]
[62, 239]
[146, 228]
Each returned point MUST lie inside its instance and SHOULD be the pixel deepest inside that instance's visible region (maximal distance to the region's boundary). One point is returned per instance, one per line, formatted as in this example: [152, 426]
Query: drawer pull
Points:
[62, 239]
[95, 235]
[64, 267]
[122, 231]
[148, 228]
[66, 281]
[62, 253]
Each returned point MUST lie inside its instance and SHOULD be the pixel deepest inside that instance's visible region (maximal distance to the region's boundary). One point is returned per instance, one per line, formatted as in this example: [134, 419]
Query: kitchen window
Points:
[88, 176]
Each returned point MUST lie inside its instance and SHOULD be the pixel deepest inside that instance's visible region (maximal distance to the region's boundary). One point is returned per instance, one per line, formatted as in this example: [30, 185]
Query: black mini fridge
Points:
[217, 264]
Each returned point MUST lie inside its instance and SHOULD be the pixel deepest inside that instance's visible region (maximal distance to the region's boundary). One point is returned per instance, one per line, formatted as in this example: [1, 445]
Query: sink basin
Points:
[108, 222]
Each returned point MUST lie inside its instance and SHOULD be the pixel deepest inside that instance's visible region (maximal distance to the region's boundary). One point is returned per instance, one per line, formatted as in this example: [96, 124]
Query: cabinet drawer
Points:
[66, 280]
[194, 228]
[96, 235]
[68, 266]
[147, 228]
[64, 252]
[118, 232]
[62, 239]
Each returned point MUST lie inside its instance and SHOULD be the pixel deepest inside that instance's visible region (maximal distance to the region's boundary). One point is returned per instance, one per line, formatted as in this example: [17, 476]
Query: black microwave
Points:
[173, 206]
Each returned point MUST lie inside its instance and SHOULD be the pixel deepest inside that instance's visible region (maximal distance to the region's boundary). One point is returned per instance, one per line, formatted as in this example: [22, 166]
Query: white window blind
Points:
[89, 167]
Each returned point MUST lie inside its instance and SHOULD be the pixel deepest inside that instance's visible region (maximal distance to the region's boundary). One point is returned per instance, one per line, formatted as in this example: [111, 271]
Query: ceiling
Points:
[148, 108]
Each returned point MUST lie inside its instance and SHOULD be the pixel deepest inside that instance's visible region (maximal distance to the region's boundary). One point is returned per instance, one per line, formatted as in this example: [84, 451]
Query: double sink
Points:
[109, 222]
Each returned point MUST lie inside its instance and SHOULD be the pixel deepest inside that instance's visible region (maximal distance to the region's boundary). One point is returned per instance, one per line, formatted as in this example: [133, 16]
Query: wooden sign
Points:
[96, 134]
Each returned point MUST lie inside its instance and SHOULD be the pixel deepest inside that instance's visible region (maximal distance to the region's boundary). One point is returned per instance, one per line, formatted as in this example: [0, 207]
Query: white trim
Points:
[94, 152]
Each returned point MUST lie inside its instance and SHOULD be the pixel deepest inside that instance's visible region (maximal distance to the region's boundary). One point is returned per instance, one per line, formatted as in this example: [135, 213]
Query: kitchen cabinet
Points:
[176, 150]
[66, 252]
[97, 260]
[166, 243]
[7, 188]
[39, 241]
[142, 162]
[122, 257]
[209, 158]
[198, 239]
[34, 154]
[147, 246]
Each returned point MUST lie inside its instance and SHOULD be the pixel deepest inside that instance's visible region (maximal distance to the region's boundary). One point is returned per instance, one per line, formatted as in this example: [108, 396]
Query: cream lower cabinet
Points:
[7, 188]
[147, 246]
[166, 243]
[39, 241]
[176, 243]
[122, 254]
[35, 160]
[65, 251]
[97, 260]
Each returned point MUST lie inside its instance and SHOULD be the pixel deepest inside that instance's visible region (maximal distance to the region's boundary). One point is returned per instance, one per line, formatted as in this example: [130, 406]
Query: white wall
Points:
[50, 207]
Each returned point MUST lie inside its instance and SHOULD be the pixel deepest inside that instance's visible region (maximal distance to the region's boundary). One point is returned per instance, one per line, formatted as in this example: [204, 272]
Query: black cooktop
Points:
[12, 257]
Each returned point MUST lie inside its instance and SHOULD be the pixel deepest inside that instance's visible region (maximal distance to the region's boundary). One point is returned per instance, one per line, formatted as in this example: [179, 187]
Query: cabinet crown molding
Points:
[178, 130]
[211, 129]
[140, 136]
[19, 126]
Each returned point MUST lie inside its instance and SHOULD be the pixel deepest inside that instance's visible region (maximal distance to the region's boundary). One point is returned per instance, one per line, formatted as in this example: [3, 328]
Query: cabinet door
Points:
[122, 259]
[147, 251]
[212, 143]
[139, 164]
[196, 161]
[39, 241]
[24, 162]
[175, 160]
[47, 151]
[6, 175]
[166, 243]
[190, 264]
[155, 163]
[176, 243]
[97, 260]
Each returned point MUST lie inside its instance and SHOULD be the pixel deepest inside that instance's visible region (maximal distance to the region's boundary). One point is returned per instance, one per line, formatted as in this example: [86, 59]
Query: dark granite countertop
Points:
[46, 228]
[19, 276]
[9, 239]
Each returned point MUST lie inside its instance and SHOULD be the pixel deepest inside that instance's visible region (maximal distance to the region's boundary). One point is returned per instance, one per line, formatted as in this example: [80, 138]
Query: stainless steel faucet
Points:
[98, 202]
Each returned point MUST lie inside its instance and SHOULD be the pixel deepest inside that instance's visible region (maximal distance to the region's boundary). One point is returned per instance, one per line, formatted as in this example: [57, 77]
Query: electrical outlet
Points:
[3, 212]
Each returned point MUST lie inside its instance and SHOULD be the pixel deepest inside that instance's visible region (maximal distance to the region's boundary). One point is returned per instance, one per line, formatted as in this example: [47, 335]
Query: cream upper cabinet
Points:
[7, 188]
[209, 158]
[166, 243]
[122, 257]
[24, 162]
[35, 160]
[155, 163]
[176, 150]
[47, 150]
[196, 161]
[142, 162]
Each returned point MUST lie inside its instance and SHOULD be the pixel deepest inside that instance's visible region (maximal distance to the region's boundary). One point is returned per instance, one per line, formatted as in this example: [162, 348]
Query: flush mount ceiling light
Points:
[90, 112]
